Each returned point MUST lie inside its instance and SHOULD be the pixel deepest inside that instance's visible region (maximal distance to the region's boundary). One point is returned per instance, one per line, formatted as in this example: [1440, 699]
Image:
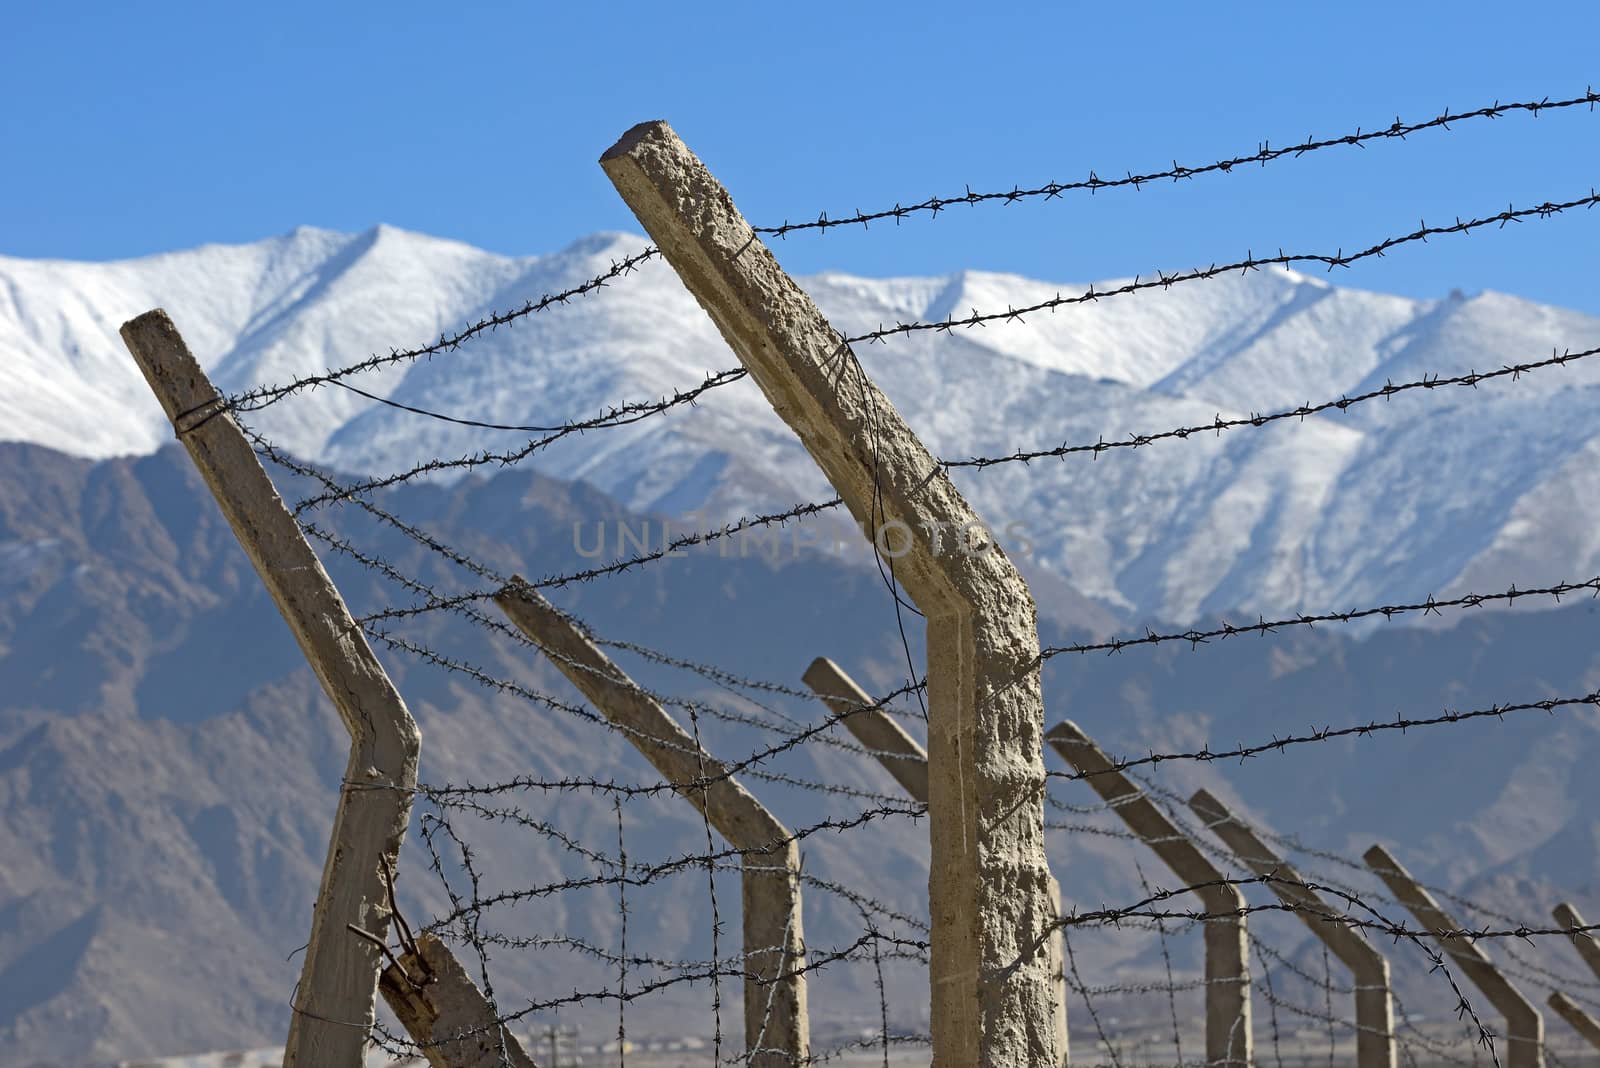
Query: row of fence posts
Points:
[994, 1000]
[1227, 981]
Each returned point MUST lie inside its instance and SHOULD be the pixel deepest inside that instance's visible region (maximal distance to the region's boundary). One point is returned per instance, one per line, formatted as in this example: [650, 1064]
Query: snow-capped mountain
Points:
[1429, 492]
[148, 694]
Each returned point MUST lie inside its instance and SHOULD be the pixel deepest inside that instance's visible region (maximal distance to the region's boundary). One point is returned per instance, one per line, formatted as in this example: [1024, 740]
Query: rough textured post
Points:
[903, 758]
[434, 998]
[1587, 947]
[1524, 1023]
[338, 983]
[988, 885]
[1573, 1013]
[1374, 1004]
[874, 728]
[774, 942]
[1057, 961]
[1228, 1037]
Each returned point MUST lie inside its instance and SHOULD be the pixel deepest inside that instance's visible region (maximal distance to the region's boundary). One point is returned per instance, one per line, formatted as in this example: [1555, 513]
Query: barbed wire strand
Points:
[1263, 155]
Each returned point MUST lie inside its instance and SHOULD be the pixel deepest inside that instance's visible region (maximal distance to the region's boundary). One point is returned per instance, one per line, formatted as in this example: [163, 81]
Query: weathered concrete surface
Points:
[1057, 960]
[874, 728]
[774, 941]
[988, 887]
[1228, 1036]
[1573, 1013]
[904, 759]
[777, 1023]
[436, 1001]
[1375, 1046]
[1587, 947]
[1524, 1022]
[338, 982]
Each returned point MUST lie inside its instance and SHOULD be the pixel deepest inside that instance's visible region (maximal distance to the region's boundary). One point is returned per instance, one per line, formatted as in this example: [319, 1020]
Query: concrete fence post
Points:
[1228, 1036]
[333, 1010]
[1583, 941]
[1567, 916]
[874, 728]
[436, 1001]
[777, 1031]
[988, 887]
[1524, 1023]
[904, 759]
[1573, 1013]
[1375, 1047]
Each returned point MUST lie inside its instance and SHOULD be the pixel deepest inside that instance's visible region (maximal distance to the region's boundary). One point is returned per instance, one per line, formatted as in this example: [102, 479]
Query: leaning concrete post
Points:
[1573, 1013]
[1524, 1024]
[903, 758]
[1374, 1004]
[334, 1007]
[438, 1003]
[874, 728]
[777, 1032]
[1228, 1038]
[1587, 947]
[988, 884]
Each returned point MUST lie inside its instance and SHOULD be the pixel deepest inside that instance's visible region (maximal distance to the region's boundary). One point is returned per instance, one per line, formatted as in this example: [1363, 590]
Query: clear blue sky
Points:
[136, 128]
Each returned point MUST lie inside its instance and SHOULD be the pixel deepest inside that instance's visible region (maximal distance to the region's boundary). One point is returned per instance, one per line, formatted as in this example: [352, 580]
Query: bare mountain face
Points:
[168, 765]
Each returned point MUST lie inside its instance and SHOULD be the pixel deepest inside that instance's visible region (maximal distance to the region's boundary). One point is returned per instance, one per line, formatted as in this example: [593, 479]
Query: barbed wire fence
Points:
[620, 904]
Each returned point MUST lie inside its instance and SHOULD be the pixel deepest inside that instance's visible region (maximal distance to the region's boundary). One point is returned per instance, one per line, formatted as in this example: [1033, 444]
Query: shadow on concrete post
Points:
[904, 759]
[1375, 1046]
[1227, 992]
[335, 998]
[988, 885]
[777, 1031]
[1524, 1022]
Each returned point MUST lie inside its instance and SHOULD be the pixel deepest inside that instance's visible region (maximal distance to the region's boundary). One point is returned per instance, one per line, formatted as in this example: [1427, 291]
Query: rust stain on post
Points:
[1524, 1022]
[1374, 1003]
[338, 983]
[988, 887]
[439, 1005]
[777, 1030]
[1228, 1037]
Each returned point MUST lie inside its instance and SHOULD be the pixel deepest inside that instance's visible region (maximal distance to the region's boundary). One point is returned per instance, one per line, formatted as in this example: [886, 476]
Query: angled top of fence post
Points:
[1573, 1013]
[1143, 817]
[338, 982]
[736, 813]
[1349, 944]
[777, 1027]
[1567, 916]
[1375, 1046]
[1227, 992]
[808, 373]
[1524, 1021]
[1415, 897]
[885, 739]
[988, 884]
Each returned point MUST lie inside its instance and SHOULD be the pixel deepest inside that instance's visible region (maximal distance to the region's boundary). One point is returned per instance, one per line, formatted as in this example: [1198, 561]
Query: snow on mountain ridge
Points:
[1395, 499]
